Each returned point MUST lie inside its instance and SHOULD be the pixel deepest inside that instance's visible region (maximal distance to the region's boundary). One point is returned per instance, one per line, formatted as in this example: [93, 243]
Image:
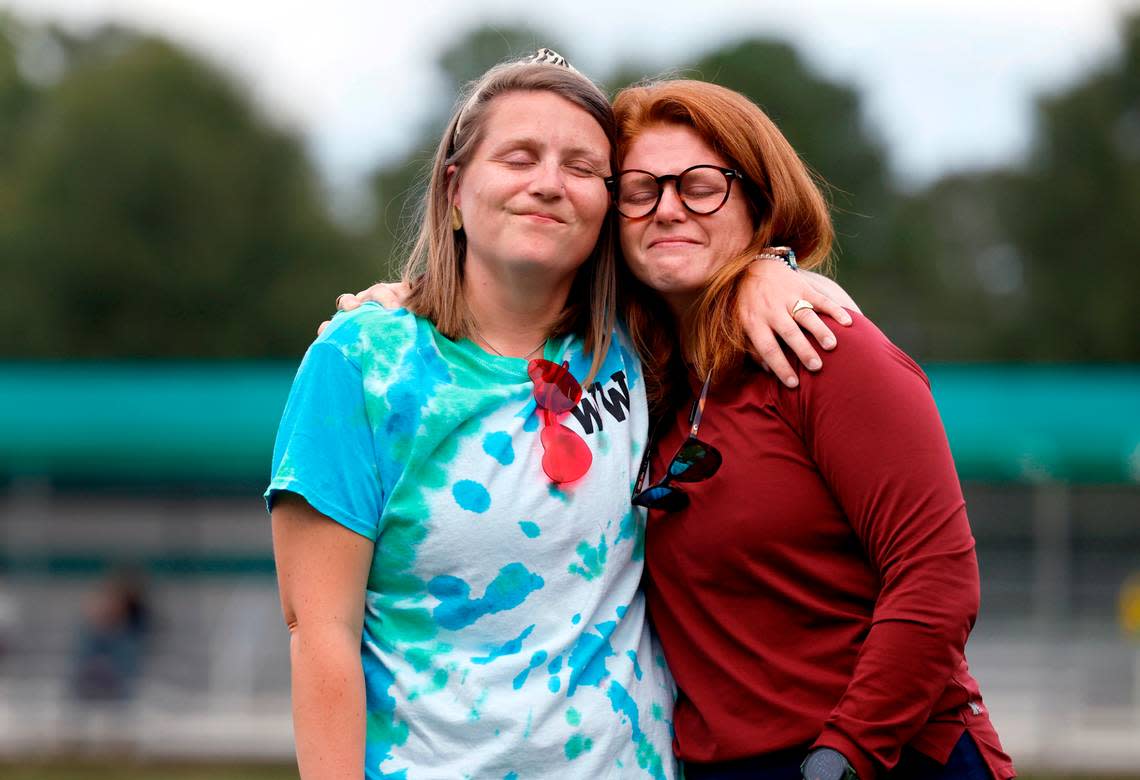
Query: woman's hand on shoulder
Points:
[390, 295]
[769, 295]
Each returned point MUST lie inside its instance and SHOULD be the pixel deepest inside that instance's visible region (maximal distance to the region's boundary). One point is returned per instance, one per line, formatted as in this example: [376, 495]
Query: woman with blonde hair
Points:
[473, 607]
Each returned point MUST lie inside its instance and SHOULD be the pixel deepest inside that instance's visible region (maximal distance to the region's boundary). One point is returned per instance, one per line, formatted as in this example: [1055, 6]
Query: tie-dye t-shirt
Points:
[505, 633]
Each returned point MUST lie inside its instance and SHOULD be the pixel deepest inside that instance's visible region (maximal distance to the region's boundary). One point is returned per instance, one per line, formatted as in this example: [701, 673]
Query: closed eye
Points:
[638, 196]
[583, 168]
[518, 158]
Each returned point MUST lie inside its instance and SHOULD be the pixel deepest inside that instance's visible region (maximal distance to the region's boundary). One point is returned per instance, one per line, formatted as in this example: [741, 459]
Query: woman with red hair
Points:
[810, 569]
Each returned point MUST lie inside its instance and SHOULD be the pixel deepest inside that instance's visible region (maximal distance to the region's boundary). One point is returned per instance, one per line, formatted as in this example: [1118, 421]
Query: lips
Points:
[672, 240]
[541, 215]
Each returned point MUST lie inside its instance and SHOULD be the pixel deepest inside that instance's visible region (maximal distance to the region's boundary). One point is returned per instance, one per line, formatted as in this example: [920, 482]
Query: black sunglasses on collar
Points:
[694, 461]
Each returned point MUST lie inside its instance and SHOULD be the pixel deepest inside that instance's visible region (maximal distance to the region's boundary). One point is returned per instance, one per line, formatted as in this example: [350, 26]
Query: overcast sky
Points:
[948, 84]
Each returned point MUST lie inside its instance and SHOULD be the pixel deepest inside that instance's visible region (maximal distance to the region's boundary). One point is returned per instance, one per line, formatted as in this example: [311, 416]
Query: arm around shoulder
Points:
[322, 572]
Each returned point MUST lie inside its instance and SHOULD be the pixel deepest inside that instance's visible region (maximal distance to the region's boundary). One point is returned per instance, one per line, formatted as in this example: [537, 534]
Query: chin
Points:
[545, 263]
[666, 277]
[668, 285]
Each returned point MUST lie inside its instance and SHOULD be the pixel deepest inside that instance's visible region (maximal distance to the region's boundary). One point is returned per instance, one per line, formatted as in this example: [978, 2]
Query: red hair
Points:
[788, 210]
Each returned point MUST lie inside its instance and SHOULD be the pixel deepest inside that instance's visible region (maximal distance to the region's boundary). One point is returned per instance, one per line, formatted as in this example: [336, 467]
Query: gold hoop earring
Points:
[456, 218]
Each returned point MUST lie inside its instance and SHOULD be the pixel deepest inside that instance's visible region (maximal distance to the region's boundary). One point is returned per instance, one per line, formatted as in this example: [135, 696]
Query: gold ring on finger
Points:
[801, 305]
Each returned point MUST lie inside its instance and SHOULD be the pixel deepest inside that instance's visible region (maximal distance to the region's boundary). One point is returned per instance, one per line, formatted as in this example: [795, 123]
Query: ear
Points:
[452, 174]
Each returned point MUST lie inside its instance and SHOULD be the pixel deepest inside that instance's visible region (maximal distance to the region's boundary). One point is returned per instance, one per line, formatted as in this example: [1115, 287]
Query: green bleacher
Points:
[206, 423]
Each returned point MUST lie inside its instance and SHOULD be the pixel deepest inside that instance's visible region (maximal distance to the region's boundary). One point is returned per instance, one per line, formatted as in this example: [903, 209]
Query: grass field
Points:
[94, 771]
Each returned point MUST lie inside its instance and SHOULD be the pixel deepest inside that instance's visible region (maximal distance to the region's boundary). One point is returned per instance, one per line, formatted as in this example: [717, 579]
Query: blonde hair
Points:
[434, 268]
[786, 205]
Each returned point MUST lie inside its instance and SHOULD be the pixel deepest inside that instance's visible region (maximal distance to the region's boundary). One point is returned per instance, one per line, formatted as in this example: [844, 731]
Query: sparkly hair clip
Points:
[546, 56]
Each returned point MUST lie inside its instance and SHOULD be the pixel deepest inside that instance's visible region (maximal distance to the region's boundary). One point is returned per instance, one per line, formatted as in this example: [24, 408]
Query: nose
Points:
[670, 208]
[548, 182]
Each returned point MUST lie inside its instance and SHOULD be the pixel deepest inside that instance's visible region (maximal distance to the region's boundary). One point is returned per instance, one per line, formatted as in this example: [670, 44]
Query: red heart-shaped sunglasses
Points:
[566, 457]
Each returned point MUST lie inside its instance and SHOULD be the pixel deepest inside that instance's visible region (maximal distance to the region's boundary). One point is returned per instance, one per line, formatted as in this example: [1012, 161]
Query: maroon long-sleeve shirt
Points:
[820, 587]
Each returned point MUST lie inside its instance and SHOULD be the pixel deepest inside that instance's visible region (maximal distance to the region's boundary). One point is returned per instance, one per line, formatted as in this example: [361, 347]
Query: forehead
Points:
[663, 149]
[544, 118]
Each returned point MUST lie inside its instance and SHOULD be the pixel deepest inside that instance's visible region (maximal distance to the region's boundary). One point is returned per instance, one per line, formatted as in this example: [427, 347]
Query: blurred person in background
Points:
[474, 608]
[110, 648]
[810, 569]
[109, 657]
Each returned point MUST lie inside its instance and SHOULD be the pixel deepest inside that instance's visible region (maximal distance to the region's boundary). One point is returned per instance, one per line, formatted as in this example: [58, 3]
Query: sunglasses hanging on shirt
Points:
[566, 456]
[694, 461]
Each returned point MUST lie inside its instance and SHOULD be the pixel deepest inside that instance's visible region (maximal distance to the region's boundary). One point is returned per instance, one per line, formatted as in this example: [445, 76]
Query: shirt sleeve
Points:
[871, 424]
[325, 450]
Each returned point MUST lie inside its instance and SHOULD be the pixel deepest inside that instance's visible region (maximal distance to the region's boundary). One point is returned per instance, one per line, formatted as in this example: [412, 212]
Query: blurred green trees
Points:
[1037, 261]
[1078, 217]
[148, 209]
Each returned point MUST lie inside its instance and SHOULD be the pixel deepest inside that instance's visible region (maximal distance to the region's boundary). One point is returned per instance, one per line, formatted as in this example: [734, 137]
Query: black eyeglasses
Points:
[703, 189]
[694, 461]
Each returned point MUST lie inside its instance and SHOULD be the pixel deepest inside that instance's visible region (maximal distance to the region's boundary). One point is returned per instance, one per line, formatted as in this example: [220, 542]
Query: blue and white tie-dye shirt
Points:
[504, 634]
